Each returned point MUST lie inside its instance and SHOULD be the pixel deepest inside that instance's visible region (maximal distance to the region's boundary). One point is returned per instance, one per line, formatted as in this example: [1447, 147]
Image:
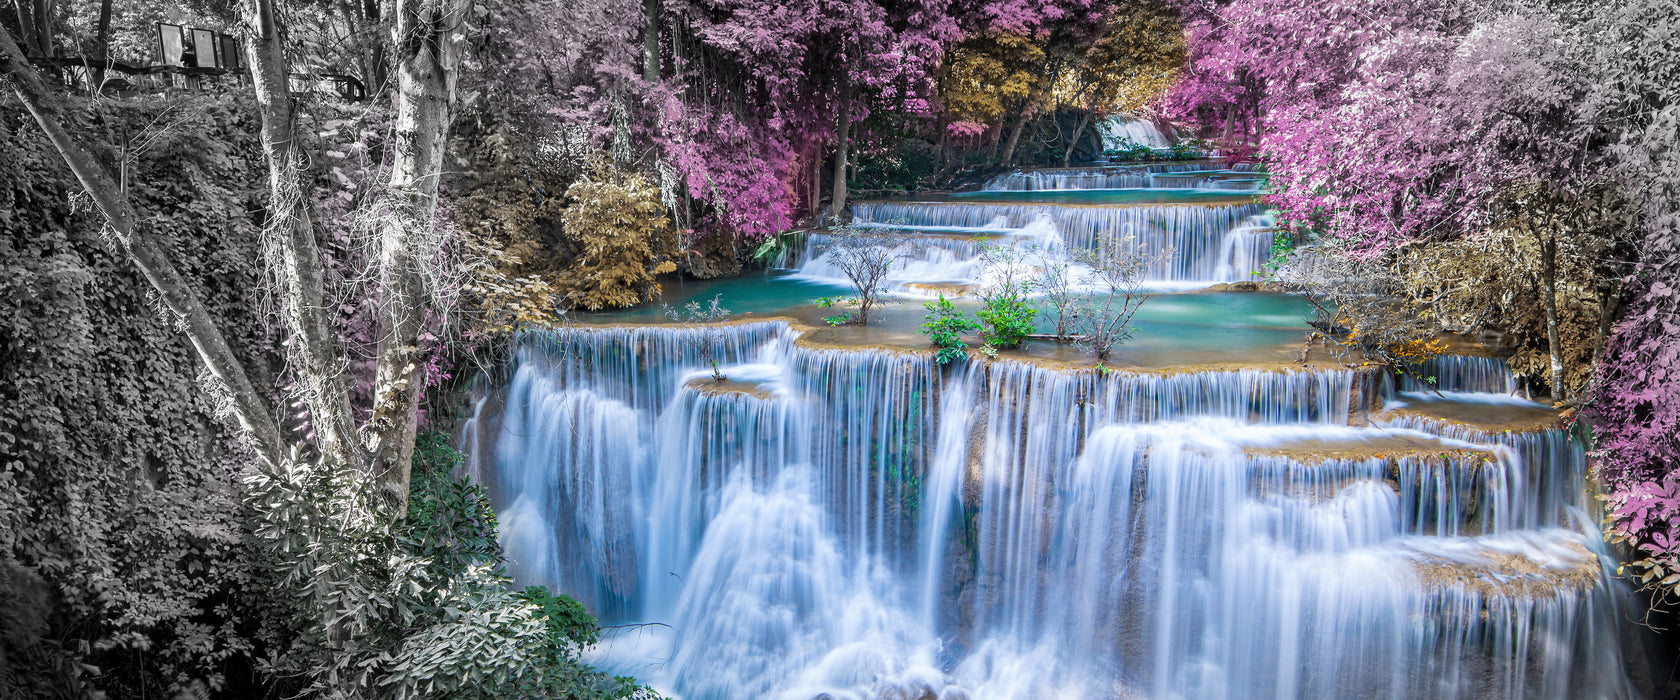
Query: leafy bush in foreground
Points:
[368, 605]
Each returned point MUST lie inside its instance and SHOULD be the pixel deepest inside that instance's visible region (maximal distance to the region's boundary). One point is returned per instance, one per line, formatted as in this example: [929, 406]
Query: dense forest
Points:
[251, 270]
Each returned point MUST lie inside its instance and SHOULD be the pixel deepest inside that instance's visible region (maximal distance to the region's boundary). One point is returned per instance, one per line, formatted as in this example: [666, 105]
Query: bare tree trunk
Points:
[427, 58]
[997, 138]
[43, 27]
[1605, 317]
[102, 44]
[379, 79]
[1014, 138]
[944, 145]
[843, 132]
[1548, 282]
[249, 407]
[1078, 131]
[650, 41]
[25, 10]
[291, 230]
[815, 190]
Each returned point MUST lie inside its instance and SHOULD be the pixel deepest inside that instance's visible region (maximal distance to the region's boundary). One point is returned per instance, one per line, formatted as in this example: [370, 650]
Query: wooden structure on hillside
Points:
[189, 58]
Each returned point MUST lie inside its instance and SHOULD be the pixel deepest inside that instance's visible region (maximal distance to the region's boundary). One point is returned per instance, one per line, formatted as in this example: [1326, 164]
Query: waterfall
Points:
[1460, 373]
[1120, 131]
[1199, 243]
[868, 524]
[1245, 249]
[1108, 178]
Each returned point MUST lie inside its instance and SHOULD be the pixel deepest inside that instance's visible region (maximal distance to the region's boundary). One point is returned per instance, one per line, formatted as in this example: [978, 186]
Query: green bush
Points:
[369, 605]
[1005, 310]
[1009, 320]
[945, 325]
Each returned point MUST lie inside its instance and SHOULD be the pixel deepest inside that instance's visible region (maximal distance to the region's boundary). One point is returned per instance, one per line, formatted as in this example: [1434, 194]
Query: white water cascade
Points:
[1159, 175]
[1192, 245]
[1122, 130]
[866, 524]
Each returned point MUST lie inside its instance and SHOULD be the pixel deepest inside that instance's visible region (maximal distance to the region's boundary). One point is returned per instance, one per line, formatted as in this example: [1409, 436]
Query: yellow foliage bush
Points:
[549, 231]
[509, 216]
[623, 236]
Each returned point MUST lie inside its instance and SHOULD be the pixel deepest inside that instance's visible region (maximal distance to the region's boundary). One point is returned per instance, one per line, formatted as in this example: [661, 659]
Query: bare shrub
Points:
[709, 319]
[865, 255]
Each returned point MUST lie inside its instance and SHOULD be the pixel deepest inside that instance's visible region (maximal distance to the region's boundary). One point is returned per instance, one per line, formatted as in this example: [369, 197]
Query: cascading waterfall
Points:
[1191, 243]
[1246, 248]
[1109, 178]
[1120, 131]
[865, 524]
[1461, 373]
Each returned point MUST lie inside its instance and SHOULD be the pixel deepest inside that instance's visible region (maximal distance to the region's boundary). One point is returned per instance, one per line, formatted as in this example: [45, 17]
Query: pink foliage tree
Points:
[1389, 122]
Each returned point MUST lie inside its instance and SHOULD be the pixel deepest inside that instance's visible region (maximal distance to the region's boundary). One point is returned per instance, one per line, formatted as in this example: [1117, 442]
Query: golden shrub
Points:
[623, 237]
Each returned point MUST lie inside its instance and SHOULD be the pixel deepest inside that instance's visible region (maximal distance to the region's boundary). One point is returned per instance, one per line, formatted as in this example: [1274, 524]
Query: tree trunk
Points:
[25, 10]
[379, 77]
[1605, 318]
[815, 190]
[1225, 137]
[426, 69]
[102, 44]
[1548, 282]
[43, 27]
[944, 145]
[843, 134]
[291, 230]
[997, 138]
[188, 311]
[1014, 138]
[650, 41]
[1078, 131]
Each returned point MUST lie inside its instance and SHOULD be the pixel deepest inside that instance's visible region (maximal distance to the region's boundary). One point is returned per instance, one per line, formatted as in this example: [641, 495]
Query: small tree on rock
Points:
[1106, 320]
[865, 256]
[708, 318]
[1360, 309]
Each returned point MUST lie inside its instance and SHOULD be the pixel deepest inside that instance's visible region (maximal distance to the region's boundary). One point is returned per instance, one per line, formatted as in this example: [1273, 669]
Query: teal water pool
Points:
[1171, 329]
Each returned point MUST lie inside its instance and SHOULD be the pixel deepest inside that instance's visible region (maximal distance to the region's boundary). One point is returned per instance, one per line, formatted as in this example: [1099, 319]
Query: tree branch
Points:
[249, 406]
[291, 229]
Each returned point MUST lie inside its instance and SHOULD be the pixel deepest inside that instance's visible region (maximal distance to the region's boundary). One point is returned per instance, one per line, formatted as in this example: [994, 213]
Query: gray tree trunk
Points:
[43, 12]
[250, 408]
[379, 79]
[291, 232]
[25, 11]
[816, 181]
[426, 62]
[1078, 131]
[650, 41]
[102, 43]
[1014, 138]
[1548, 286]
[841, 150]
[997, 138]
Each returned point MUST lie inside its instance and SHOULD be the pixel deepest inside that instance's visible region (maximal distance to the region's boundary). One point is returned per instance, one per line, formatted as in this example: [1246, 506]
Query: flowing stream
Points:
[862, 523]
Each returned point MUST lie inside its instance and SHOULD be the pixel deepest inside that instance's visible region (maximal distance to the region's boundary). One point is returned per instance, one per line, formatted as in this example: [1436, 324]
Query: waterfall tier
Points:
[1162, 175]
[1124, 131]
[1196, 244]
[863, 523]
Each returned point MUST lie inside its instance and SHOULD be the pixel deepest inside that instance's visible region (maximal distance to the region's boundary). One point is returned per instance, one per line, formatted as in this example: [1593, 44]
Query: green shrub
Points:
[370, 605]
[945, 325]
[1005, 311]
[1009, 320]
